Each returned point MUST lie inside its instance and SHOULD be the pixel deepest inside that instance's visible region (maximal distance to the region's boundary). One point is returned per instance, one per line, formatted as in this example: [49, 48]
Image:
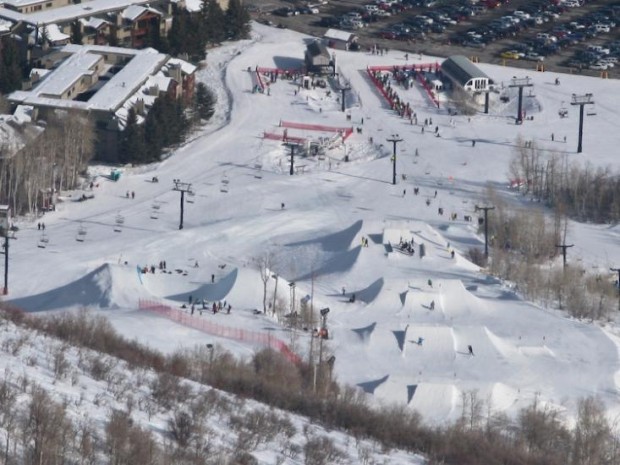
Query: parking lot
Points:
[522, 33]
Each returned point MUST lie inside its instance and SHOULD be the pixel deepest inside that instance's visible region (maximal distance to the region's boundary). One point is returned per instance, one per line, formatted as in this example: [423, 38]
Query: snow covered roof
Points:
[135, 11]
[16, 131]
[191, 6]
[186, 67]
[55, 35]
[142, 64]
[337, 34]
[70, 12]
[94, 23]
[5, 25]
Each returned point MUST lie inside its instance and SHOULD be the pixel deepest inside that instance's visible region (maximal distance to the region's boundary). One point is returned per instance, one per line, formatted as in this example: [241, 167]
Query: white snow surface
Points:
[522, 352]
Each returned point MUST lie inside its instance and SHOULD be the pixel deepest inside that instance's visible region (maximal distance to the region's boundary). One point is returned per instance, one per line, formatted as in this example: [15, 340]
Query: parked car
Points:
[532, 56]
[513, 54]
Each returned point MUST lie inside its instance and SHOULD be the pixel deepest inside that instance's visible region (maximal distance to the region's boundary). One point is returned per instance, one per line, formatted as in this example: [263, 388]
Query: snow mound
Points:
[108, 286]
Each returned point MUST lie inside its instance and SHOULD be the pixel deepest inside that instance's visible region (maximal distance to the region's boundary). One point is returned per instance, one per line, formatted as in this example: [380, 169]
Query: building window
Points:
[48, 5]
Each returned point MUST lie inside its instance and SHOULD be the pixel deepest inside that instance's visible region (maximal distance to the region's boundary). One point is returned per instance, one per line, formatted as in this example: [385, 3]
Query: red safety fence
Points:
[283, 137]
[291, 71]
[416, 67]
[380, 87]
[259, 79]
[346, 132]
[420, 67]
[206, 326]
[429, 90]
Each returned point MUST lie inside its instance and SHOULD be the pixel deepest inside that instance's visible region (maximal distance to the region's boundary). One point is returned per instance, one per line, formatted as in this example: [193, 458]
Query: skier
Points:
[212, 278]
[420, 341]
[471, 350]
[432, 306]
[430, 283]
[133, 195]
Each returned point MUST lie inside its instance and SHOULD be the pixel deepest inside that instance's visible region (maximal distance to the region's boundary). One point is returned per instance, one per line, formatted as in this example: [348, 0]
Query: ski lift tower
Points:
[395, 139]
[343, 90]
[292, 145]
[5, 214]
[581, 100]
[182, 187]
[520, 83]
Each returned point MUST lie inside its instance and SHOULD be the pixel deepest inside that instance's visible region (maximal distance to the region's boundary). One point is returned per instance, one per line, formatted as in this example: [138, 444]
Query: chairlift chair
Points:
[563, 111]
[120, 220]
[43, 240]
[81, 234]
[591, 110]
[189, 198]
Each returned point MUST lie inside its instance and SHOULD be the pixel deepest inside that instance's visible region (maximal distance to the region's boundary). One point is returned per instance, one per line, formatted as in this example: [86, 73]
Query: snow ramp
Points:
[457, 302]
[108, 286]
[435, 401]
[438, 347]
[335, 242]
[209, 291]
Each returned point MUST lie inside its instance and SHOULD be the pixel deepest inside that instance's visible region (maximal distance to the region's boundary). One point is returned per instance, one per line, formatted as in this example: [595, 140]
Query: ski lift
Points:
[119, 222]
[81, 234]
[224, 186]
[43, 240]
[591, 110]
[259, 168]
[190, 195]
[563, 111]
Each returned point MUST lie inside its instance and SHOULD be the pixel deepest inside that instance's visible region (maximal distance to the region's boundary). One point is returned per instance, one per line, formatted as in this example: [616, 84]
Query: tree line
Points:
[166, 124]
[192, 33]
[537, 435]
[524, 251]
[54, 159]
[583, 192]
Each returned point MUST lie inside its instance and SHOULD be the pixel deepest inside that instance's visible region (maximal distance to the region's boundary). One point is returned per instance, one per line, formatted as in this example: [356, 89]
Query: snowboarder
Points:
[196, 264]
[430, 283]
[212, 278]
[43, 226]
[471, 350]
[228, 309]
[39, 226]
[404, 192]
[282, 206]
[420, 341]
[432, 305]
[452, 253]
[133, 195]
[552, 137]
[473, 142]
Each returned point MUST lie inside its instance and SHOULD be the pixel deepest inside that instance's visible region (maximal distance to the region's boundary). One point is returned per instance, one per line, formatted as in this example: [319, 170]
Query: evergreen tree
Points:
[237, 21]
[76, 33]
[10, 69]
[113, 36]
[213, 25]
[132, 147]
[178, 32]
[204, 101]
[154, 38]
